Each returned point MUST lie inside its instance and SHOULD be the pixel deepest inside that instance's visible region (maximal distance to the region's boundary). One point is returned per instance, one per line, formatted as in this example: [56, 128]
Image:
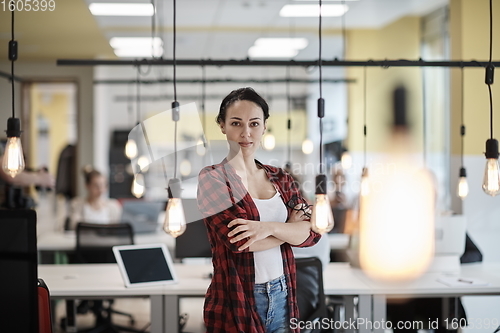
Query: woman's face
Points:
[97, 187]
[244, 126]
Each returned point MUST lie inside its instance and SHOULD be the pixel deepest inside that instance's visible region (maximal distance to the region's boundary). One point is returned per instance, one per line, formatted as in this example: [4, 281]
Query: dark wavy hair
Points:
[241, 94]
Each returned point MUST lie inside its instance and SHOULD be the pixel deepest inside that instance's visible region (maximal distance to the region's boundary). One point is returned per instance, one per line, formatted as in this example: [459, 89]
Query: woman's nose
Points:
[245, 132]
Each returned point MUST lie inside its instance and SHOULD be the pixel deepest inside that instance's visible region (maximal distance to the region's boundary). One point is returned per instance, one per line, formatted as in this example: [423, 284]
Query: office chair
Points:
[310, 292]
[94, 243]
[44, 311]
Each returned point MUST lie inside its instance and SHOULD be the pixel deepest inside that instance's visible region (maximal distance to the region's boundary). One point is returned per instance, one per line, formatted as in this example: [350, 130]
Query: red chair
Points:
[44, 313]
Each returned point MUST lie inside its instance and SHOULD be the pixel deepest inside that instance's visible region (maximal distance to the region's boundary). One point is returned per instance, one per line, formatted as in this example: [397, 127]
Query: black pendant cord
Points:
[424, 117]
[203, 98]
[289, 116]
[174, 51]
[490, 65]
[364, 117]
[344, 33]
[12, 69]
[138, 97]
[320, 112]
[153, 29]
[462, 126]
[175, 85]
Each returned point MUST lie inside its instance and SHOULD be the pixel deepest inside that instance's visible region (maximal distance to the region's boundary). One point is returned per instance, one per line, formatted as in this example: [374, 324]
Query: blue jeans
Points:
[272, 305]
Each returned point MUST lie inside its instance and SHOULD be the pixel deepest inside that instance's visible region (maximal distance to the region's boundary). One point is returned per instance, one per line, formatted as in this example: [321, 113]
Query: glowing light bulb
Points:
[13, 159]
[269, 141]
[307, 146]
[322, 216]
[397, 219]
[175, 220]
[131, 149]
[346, 160]
[463, 186]
[491, 180]
[185, 167]
[138, 187]
[365, 184]
[143, 163]
[200, 148]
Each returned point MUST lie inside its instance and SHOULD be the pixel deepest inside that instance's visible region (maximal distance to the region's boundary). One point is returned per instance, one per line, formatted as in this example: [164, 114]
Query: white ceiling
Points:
[224, 29]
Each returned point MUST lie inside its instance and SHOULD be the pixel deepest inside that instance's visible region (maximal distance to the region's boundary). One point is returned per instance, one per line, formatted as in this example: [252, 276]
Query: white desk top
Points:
[339, 279]
[429, 286]
[89, 280]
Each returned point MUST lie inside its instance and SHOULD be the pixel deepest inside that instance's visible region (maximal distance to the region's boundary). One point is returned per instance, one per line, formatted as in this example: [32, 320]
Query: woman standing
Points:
[245, 205]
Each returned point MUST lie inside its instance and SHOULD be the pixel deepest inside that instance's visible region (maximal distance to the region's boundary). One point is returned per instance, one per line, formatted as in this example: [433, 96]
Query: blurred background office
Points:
[72, 116]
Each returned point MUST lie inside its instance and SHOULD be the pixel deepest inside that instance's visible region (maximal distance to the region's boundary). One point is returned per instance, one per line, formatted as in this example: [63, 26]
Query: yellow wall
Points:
[469, 32]
[55, 110]
[401, 39]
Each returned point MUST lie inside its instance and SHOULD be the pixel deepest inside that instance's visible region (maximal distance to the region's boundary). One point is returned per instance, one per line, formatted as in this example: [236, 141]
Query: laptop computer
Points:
[142, 215]
[145, 264]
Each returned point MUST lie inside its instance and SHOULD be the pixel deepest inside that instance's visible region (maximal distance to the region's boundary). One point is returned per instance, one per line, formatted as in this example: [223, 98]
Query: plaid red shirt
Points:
[222, 197]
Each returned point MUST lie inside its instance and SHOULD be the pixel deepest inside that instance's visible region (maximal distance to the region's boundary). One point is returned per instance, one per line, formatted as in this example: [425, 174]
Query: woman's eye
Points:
[255, 124]
[235, 123]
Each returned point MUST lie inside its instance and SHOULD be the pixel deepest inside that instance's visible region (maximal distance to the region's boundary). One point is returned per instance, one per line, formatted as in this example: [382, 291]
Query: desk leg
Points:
[349, 313]
[379, 313]
[364, 313]
[157, 311]
[171, 313]
[70, 316]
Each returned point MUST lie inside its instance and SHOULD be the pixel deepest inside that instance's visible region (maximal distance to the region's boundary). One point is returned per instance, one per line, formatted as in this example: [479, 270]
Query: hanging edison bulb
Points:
[13, 158]
[200, 148]
[131, 149]
[397, 217]
[463, 186]
[365, 185]
[491, 179]
[269, 141]
[185, 167]
[307, 146]
[138, 186]
[175, 220]
[143, 163]
[322, 215]
[346, 160]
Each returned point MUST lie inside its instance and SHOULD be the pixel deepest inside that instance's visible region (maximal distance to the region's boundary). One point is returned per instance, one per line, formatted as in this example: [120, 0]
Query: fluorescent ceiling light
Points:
[130, 47]
[121, 9]
[277, 47]
[313, 10]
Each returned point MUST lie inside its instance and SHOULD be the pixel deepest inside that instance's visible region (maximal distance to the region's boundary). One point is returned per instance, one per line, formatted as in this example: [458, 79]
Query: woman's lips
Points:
[245, 144]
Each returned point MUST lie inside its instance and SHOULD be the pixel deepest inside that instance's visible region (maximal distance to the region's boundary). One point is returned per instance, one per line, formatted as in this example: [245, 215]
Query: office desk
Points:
[101, 281]
[88, 281]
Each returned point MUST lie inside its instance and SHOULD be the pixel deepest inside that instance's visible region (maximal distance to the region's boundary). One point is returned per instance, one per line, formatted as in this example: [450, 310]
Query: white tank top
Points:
[269, 263]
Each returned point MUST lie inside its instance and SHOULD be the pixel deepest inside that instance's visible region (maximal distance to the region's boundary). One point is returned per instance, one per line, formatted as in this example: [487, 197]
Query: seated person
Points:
[95, 207]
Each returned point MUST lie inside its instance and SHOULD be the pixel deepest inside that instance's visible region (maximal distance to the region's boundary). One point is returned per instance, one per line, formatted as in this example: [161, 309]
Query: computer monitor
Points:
[18, 265]
[193, 243]
[142, 215]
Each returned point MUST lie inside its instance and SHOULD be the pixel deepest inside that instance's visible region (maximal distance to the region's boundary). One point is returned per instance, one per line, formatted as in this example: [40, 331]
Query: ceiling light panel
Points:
[121, 9]
[130, 47]
[301, 10]
[277, 47]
